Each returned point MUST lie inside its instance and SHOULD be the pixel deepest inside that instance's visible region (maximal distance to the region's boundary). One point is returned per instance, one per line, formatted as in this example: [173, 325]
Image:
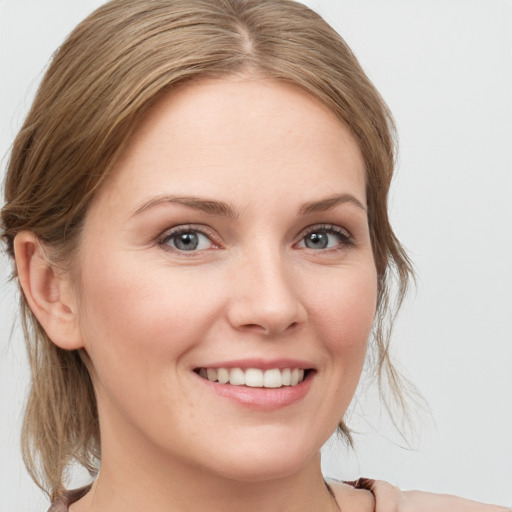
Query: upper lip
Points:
[262, 364]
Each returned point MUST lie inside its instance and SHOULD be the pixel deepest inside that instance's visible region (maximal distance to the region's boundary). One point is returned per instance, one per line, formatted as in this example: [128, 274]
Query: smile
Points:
[254, 377]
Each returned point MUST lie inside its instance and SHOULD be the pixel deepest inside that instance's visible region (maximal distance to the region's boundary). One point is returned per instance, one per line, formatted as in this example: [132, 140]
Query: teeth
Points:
[254, 377]
[223, 375]
[237, 377]
[272, 379]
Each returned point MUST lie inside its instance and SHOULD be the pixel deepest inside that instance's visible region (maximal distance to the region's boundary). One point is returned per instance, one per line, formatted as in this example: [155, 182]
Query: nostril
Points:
[256, 328]
[267, 330]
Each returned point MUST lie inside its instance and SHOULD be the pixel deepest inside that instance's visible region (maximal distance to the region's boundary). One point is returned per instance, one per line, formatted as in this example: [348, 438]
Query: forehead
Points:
[237, 135]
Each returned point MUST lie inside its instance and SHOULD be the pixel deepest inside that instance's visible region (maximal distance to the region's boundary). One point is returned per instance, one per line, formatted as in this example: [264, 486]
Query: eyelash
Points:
[345, 238]
[181, 230]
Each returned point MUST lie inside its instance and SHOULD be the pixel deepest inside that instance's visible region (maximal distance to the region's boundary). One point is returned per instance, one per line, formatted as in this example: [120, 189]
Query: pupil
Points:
[187, 242]
[317, 241]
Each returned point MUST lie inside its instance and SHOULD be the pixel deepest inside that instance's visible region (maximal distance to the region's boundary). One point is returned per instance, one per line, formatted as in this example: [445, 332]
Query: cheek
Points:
[343, 312]
[139, 320]
[348, 305]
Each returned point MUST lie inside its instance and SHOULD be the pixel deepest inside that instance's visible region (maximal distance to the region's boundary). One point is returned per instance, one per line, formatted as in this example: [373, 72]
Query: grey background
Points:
[445, 68]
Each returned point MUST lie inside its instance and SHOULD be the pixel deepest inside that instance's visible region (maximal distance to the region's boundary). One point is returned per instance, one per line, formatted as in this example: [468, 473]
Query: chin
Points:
[259, 462]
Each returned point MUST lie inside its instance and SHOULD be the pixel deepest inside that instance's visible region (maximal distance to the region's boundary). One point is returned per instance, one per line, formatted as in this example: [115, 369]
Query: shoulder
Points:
[389, 498]
[350, 498]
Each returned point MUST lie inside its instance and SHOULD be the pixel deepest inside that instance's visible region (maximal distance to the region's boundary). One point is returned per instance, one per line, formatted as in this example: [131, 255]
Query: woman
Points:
[197, 209]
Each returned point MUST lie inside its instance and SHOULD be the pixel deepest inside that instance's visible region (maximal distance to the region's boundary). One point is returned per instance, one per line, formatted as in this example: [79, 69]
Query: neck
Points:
[186, 489]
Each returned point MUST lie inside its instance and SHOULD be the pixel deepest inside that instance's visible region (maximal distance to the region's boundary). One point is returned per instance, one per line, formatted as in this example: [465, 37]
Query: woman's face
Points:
[231, 241]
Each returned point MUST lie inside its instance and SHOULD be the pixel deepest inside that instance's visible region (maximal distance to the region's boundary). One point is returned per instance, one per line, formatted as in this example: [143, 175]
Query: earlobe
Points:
[47, 292]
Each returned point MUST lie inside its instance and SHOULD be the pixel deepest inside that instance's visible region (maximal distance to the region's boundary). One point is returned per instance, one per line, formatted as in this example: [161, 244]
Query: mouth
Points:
[256, 377]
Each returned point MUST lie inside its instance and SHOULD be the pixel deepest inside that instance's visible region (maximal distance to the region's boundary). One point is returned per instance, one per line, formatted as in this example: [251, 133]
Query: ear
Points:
[47, 291]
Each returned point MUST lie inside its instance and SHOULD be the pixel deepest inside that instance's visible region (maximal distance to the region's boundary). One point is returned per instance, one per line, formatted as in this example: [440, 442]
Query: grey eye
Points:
[317, 240]
[188, 241]
[328, 237]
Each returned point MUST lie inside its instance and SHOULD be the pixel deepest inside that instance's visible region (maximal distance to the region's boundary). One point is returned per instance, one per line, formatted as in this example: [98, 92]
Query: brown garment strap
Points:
[362, 483]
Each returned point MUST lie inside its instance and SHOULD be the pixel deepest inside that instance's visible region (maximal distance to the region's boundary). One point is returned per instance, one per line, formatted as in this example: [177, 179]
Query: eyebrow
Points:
[209, 206]
[329, 203]
[214, 207]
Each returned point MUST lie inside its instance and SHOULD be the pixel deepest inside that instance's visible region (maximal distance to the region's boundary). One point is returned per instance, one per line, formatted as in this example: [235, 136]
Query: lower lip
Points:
[267, 399]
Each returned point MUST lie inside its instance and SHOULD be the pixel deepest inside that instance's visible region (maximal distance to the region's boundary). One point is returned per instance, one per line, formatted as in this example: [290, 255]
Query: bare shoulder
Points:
[391, 499]
[348, 498]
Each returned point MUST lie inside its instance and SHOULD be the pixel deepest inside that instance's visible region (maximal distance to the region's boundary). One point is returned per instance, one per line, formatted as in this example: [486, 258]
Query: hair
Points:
[110, 70]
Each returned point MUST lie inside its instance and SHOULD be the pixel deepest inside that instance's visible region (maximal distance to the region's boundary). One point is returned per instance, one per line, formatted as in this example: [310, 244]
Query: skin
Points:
[148, 313]
[391, 499]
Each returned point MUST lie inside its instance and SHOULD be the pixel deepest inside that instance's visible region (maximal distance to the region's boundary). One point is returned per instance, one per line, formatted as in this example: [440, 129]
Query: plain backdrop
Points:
[445, 69]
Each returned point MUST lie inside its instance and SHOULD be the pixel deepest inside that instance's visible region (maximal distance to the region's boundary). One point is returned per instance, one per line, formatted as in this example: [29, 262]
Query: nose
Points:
[265, 298]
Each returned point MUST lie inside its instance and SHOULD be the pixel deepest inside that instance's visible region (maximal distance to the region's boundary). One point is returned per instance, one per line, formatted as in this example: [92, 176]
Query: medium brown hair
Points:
[110, 70]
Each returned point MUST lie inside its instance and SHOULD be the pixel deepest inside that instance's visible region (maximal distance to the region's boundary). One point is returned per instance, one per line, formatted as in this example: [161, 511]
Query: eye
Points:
[186, 239]
[326, 237]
